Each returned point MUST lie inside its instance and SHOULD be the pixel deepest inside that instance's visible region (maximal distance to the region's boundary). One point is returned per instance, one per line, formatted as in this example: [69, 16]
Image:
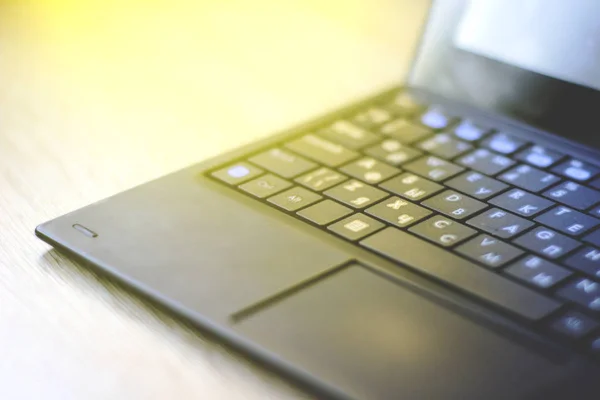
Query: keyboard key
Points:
[529, 178]
[538, 272]
[576, 170]
[504, 143]
[356, 194]
[405, 131]
[567, 220]
[398, 212]
[411, 186]
[321, 179]
[321, 150]
[521, 202]
[539, 156]
[356, 227]
[444, 145]
[433, 168]
[546, 242]
[477, 185]
[393, 152]
[489, 251]
[500, 223]
[282, 163]
[595, 346]
[470, 131]
[595, 183]
[574, 325]
[436, 118]
[349, 135]
[372, 117]
[595, 211]
[586, 260]
[443, 231]
[325, 212]
[265, 186]
[486, 162]
[584, 292]
[370, 170]
[455, 271]
[294, 199]
[405, 104]
[574, 195]
[237, 173]
[593, 238]
[454, 204]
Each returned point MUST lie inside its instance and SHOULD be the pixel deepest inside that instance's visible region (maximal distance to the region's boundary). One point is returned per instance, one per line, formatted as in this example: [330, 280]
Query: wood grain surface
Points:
[99, 96]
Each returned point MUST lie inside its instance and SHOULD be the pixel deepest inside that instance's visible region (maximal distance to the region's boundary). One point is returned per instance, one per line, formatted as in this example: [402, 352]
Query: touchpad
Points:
[376, 339]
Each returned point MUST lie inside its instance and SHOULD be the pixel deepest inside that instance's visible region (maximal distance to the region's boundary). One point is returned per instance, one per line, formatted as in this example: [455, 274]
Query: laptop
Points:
[439, 240]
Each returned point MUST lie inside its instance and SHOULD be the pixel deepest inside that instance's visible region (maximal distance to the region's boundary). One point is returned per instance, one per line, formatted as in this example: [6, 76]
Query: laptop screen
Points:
[534, 60]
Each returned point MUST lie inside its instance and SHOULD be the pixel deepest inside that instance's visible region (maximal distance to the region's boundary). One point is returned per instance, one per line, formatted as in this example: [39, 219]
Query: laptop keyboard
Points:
[500, 218]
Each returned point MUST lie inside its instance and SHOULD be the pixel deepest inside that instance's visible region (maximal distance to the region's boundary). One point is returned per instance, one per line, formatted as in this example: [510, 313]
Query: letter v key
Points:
[487, 242]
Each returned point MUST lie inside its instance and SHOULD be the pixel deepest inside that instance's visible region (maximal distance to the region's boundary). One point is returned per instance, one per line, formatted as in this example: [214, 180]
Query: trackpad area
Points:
[376, 339]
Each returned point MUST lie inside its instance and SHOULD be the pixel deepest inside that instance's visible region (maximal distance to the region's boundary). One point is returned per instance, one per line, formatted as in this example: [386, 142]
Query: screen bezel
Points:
[551, 104]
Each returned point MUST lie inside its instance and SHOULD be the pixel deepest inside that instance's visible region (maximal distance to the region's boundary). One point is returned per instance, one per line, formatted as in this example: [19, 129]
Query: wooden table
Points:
[99, 96]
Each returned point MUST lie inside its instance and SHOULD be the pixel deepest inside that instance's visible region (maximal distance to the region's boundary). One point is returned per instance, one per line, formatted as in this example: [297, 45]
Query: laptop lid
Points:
[537, 61]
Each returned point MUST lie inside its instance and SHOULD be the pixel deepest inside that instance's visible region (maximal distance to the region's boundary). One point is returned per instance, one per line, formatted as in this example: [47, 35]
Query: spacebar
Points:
[460, 273]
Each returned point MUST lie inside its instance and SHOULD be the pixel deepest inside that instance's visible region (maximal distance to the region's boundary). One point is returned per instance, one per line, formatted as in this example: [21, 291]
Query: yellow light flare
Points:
[203, 76]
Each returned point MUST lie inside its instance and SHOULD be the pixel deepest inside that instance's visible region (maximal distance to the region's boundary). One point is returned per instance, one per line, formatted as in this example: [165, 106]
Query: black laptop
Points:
[439, 240]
